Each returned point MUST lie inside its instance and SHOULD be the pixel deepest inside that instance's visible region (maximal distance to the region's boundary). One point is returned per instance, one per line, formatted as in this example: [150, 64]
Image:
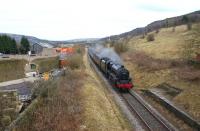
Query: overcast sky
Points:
[71, 19]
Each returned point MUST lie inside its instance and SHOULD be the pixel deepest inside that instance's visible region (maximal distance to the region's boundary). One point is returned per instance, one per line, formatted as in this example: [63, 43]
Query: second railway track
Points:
[149, 119]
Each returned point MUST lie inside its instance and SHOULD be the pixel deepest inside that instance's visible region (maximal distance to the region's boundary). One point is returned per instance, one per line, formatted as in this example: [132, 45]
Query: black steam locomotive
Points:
[116, 73]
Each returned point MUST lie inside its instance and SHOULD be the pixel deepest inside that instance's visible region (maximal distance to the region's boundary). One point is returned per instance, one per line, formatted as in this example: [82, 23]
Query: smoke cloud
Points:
[107, 52]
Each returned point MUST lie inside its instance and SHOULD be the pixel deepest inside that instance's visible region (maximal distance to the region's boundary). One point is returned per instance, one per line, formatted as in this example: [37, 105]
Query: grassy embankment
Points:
[12, 69]
[58, 106]
[76, 101]
[167, 59]
[58, 102]
[8, 112]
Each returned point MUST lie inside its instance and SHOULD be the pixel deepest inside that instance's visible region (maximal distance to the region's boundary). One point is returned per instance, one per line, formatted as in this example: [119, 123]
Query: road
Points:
[18, 81]
[26, 57]
[22, 86]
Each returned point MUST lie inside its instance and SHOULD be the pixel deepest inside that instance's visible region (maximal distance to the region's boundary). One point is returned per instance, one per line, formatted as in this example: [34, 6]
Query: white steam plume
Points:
[107, 52]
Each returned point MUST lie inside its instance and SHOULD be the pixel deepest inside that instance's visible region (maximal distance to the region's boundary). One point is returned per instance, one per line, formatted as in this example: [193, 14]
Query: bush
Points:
[174, 29]
[75, 61]
[80, 49]
[151, 64]
[6, 120]
[188, 73]
[189, 26]
[157, 31]
[120, 47]
[181, 68]
[142, 36]
[10, 112]
[150, 37]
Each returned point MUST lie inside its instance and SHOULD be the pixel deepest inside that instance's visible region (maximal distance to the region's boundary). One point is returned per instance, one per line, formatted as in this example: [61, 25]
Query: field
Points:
[46, 64]
[166, 59]
[12, 69]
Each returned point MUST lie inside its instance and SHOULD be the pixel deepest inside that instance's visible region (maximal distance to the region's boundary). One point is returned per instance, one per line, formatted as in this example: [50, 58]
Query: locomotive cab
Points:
[123, 80]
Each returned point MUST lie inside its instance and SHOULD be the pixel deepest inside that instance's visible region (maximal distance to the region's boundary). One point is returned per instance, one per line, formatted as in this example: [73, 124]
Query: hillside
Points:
[33, 40]
[30, 38]
[168, 22]
[170, 58]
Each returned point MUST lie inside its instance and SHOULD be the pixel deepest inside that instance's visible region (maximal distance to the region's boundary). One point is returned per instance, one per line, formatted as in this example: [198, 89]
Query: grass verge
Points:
[58, 107]
[12, 69]
[47, 64]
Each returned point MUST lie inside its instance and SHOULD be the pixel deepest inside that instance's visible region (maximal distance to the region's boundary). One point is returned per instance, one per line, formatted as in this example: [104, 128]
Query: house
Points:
[38, 48]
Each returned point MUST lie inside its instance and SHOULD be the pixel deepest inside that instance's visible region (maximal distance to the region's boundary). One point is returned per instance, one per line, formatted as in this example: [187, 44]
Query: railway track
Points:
[149, 119]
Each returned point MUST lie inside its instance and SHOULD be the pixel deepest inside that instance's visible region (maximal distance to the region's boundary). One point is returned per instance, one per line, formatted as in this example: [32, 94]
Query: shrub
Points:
[142, 36]
[10, 112]
[80, 49]
[112, 43]
[157, 31]
[151, 64]
[191, 46]
[150, 37]
[174, 29]
[188, 73]
[181, 68]
[148, 63]
[120, 47]
[47, 64]
[75, 61]
[194, 63]
[6, 120]
[42, 88]
[44, 92]
[189, 26]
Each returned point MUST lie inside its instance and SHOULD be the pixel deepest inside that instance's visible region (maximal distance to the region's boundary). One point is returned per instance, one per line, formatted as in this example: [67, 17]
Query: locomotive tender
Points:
[116, 73]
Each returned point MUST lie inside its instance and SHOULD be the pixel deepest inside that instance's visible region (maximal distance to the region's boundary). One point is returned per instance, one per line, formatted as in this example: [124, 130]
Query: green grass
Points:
[12, 69]
[47, 64]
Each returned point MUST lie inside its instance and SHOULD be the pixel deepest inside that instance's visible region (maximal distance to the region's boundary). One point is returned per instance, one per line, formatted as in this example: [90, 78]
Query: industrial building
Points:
[41, 48]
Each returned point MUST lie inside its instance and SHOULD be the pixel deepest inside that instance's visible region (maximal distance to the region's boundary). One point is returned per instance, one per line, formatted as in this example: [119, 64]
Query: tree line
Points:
[8, 45]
